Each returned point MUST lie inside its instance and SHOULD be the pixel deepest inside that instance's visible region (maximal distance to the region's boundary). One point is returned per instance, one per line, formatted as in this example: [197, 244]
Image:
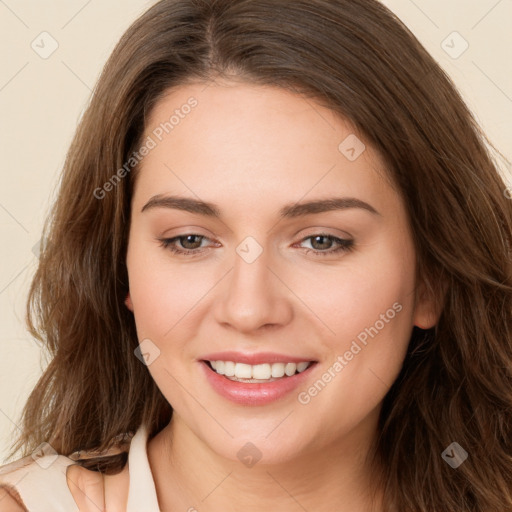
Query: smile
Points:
[258, 372]
[247, 387]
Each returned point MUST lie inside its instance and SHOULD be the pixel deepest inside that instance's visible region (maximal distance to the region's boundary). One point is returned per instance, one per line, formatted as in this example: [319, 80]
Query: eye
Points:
[191, 244]
[324, 241]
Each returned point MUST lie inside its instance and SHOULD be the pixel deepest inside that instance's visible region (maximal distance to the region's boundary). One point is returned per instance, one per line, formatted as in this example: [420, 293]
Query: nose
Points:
[254, 296]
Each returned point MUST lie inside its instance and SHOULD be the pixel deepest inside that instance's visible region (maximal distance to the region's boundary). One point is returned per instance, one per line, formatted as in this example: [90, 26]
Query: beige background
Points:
[42, 99]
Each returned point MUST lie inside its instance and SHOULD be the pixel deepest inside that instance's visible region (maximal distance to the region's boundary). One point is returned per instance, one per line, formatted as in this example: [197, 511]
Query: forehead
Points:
[247, 142]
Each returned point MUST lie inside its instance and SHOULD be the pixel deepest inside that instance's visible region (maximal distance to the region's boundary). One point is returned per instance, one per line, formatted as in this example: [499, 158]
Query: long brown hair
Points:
[358, 59]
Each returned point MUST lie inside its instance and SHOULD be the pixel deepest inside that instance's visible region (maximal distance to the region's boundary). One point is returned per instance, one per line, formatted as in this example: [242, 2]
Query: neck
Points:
[189, 476]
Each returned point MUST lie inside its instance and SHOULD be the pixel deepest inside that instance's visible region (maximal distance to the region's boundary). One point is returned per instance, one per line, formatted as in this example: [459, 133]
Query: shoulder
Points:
[42, 482]
[86, 487]
[24, 487]
[10, 500]
[49, 482]
[94, 491]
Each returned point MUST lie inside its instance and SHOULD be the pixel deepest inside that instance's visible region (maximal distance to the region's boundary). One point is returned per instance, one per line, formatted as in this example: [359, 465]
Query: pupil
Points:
[321, 237]
[188, 238]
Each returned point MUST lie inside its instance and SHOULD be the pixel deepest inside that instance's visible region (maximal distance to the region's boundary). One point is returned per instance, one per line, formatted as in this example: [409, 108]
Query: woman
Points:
[188, 299]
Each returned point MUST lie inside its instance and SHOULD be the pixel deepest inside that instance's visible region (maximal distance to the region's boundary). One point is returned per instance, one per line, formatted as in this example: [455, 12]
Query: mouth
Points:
[259, 384]
[258, 373]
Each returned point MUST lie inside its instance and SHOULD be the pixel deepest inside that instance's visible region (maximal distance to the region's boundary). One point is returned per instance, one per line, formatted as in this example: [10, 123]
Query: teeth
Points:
[229, 368]
[277, 370]
[302, 366]
[263, 371]
[243, 371]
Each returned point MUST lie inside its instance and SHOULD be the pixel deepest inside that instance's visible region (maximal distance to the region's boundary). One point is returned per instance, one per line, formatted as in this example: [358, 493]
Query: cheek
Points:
[368, 305]
[353, 296]
[370, 308]
[162, 293]
[371, 314]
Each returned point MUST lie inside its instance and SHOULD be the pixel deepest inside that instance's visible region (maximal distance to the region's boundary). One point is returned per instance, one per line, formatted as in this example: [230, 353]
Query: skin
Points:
[94, 492]
[251, 150]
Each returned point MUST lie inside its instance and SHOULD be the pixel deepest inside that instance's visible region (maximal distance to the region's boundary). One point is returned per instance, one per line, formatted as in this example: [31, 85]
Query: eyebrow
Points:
[289, 211]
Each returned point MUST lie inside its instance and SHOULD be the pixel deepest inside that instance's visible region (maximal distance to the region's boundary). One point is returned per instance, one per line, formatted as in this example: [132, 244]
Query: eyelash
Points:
[345, 245]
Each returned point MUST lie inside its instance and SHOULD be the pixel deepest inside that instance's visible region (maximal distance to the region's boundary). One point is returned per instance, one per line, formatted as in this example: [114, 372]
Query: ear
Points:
[128, 302]
[427, 309]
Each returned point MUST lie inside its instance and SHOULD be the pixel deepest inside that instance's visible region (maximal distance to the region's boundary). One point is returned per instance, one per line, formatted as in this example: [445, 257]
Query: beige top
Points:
[42, 484]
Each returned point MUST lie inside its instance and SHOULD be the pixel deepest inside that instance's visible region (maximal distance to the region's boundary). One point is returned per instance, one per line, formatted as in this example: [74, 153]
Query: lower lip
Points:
[254, 394]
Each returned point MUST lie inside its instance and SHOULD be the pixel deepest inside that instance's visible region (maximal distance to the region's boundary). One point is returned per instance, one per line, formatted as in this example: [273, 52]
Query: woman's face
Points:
[273, 271]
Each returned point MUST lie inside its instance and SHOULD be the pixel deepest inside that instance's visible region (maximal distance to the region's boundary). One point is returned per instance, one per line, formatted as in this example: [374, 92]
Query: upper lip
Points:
[254, 358]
